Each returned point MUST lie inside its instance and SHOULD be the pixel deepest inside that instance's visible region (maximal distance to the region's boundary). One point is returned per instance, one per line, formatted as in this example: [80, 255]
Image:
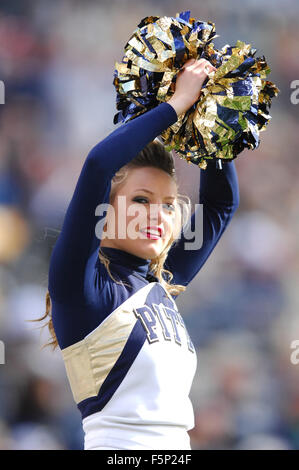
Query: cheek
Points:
[169, 223]
[137, 215]
[132, 219]
[174, 224]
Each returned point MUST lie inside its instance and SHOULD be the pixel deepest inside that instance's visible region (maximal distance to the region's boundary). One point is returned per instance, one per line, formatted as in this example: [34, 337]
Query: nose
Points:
[156, 214]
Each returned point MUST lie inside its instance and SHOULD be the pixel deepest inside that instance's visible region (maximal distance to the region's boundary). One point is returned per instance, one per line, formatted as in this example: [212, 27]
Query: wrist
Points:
[180, 104]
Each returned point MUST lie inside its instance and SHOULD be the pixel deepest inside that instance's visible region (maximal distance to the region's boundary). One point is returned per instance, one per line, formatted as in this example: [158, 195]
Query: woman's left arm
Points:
[219, 196]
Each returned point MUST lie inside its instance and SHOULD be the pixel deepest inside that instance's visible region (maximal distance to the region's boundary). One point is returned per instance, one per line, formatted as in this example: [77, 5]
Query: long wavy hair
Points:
[152, 155]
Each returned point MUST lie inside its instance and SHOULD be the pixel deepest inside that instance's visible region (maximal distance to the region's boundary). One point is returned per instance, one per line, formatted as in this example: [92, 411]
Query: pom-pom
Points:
[233, 106]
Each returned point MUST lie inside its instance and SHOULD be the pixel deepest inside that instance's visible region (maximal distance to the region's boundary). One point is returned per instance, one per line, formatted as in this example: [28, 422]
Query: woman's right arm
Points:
[72, 248]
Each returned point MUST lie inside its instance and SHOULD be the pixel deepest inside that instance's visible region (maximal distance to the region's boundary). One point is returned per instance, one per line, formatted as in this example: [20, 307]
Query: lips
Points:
[153, 231]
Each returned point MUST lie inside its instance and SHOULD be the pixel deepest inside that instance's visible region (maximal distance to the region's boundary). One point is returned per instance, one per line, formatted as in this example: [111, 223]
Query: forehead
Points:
[150, 178]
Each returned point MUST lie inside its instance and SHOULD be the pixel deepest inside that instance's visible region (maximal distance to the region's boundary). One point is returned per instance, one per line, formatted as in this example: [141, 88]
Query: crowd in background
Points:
[57, 62]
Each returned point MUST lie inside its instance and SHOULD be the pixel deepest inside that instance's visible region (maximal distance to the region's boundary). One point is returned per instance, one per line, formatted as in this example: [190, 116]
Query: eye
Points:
[170, 206]
[140, 199]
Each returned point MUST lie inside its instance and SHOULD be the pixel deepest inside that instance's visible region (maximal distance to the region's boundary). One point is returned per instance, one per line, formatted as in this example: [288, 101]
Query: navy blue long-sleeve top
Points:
[76, 276]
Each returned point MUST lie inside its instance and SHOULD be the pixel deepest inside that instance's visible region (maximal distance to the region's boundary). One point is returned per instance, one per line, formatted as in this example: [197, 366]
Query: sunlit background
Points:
[242, 309]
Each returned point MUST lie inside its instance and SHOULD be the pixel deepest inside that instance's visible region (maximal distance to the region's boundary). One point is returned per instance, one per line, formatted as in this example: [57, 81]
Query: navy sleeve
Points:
[77, 238]
[219, 196]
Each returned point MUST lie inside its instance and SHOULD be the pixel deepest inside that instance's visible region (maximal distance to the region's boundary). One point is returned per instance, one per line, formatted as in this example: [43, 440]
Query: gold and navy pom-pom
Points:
[233, 106]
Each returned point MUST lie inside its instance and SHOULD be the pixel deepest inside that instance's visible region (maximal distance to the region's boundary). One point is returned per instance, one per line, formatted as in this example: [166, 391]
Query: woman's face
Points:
[147, 199]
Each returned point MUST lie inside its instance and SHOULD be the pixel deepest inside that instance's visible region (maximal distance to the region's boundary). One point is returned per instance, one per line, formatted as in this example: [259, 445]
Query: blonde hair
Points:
[153, 155]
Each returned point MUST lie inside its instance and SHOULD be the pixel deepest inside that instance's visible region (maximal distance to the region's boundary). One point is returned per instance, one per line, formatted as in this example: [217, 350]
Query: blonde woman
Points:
[111, 299]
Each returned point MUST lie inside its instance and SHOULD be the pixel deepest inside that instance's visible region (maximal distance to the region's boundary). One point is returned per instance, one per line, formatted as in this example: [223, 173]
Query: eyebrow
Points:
[148, 191]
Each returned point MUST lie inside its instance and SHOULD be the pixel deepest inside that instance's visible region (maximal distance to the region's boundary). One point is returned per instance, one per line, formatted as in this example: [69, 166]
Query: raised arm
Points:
[219, 196]
[77, 238]
[72, 248]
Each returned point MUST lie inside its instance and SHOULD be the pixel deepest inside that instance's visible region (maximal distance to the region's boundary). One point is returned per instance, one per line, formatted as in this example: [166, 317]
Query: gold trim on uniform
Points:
[89, 361]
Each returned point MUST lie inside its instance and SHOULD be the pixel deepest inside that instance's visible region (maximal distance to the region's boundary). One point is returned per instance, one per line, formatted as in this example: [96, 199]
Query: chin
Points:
[153, 253]
[147, 252]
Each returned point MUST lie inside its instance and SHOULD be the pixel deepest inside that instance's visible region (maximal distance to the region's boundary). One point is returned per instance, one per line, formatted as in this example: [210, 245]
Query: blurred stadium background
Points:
[57, 61]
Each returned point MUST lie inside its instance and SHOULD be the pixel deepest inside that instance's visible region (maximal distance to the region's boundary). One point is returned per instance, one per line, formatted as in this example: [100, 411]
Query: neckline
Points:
[127, 260]
[139, 265]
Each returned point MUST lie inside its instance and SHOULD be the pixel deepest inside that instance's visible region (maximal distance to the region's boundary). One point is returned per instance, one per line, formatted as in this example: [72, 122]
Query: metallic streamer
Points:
[233, 106]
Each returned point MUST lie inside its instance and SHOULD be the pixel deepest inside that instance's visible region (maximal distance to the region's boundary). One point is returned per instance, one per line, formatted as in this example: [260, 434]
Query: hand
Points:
[188, 84]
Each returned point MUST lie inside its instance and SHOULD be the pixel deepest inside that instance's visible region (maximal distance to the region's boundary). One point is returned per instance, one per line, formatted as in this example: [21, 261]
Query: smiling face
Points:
[147, 200]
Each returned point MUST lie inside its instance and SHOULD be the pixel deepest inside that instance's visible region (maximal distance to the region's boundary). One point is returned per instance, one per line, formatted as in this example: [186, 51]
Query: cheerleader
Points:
[111, 304]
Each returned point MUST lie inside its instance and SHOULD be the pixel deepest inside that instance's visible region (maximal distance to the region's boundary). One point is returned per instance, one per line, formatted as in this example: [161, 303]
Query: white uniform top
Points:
[139, 363]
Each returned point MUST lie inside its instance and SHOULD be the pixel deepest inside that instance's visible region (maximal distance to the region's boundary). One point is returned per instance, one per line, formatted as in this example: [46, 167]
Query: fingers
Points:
[188, 64]
[205, 66]
[201, 65]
